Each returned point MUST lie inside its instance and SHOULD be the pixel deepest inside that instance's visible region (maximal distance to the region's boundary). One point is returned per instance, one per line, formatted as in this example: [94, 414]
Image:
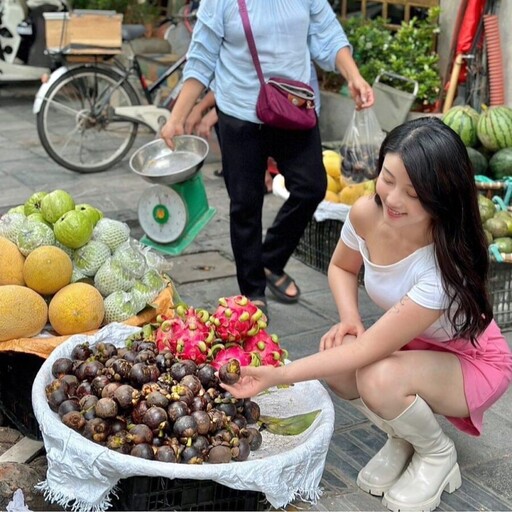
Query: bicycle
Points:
[88, 115]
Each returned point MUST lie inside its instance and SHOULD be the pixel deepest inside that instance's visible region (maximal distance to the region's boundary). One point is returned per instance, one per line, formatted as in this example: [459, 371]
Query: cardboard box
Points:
[84, 32]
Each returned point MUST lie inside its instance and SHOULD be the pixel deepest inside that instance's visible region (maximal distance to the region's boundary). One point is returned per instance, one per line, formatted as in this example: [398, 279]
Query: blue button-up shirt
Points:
[288, 35]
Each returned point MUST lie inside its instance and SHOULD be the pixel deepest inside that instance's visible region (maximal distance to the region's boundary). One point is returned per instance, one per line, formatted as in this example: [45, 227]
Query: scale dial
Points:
[162, 214]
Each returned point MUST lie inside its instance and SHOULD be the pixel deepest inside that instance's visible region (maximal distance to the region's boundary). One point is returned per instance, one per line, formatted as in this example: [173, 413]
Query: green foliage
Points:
[408, 51]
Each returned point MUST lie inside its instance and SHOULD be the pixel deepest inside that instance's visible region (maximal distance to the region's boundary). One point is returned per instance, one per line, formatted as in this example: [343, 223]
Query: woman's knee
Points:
[380, 380]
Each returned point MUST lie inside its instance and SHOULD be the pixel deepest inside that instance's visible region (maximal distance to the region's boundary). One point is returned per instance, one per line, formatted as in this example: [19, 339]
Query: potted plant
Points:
[408, 52]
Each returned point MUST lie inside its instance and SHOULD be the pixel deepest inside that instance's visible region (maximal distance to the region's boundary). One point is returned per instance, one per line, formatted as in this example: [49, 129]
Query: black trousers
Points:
[245, 149]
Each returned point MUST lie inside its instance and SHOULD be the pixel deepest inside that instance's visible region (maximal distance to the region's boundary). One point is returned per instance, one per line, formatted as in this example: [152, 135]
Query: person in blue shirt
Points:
[288, 35]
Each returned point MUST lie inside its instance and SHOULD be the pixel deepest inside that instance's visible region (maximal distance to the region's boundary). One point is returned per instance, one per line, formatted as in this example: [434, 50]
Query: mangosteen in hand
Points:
[229, 373]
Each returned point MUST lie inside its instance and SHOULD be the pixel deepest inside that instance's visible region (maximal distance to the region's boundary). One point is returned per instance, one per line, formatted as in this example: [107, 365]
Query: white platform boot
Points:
[433, 467]
[386, 467]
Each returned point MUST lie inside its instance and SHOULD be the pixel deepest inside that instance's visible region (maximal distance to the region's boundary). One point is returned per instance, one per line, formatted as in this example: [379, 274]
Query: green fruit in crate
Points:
[494, 128]
[488, 236]
[478, 160]
[17, 209]
[497, 227]
[55, 204]
[73, 229]
[33, 203]
[463, 120]
[487, 208]
[38, 217]
[507, 218]
[500, 164]
[504, 244]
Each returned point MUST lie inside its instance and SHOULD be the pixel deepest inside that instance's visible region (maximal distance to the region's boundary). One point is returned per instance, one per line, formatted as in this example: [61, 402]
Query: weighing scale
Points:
[175, 208]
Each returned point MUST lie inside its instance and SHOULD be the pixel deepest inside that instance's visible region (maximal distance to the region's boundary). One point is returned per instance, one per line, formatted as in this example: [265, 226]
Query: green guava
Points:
[55, 204]
[93, 212]
[17, 209]
[73, 229]
[38, 217]
[33, 234]
[33, 203]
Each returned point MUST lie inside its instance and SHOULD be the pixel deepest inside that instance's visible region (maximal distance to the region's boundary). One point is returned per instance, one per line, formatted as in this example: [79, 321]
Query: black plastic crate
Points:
[17, 374]
[500, 287]
[158, 493]
[318, 242]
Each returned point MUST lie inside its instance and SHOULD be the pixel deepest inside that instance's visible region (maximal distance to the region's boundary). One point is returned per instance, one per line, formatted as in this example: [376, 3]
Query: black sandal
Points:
[261, 304]
[279, 290]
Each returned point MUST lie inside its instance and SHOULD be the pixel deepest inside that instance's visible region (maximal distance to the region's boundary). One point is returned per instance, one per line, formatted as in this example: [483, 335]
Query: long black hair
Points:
[439, 168]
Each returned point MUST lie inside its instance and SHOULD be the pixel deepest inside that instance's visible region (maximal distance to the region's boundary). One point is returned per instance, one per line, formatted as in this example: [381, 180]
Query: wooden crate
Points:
[84, 32]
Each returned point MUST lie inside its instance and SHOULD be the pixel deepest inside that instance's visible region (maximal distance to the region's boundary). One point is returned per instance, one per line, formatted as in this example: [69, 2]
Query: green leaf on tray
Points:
[290, 426]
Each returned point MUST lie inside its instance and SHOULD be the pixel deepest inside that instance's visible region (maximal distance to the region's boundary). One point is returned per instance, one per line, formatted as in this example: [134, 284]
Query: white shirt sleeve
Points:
[429, 291]
[349, 235]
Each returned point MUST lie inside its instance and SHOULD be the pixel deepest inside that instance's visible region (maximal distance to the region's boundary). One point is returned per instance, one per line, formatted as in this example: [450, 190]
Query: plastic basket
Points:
[17, 373]
[318, 242]
[157, 493]
[500, 289]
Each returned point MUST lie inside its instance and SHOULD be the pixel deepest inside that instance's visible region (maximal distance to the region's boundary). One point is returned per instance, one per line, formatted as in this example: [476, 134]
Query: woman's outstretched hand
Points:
[170, 130]
[253, 380]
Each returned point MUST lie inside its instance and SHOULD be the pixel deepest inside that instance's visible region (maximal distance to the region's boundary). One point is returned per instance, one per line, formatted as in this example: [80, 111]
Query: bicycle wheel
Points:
[76, 124]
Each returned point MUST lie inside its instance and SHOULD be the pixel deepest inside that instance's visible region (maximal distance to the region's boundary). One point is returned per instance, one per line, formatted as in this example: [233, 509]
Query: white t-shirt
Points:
[417, 276]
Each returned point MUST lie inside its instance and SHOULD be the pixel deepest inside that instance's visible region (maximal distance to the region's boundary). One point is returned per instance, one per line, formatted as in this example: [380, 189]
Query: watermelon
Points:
[478, 160]
[463, 121]
[494, 128]
[500, 164]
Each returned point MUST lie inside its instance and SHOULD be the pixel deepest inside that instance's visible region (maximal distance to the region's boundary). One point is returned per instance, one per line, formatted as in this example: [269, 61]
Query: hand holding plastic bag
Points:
[360, 146]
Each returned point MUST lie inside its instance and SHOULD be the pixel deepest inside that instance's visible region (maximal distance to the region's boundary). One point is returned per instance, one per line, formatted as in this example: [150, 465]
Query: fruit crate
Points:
[158, 493]
[318, 242]
[17, 374]
[500, 289]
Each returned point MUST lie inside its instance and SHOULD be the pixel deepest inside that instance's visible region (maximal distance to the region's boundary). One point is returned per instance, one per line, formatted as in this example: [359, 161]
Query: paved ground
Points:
[205, 272]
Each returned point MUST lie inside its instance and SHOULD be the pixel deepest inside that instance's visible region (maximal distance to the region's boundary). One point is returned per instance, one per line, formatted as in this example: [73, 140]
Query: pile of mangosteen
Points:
[359, 161]
[142, 402]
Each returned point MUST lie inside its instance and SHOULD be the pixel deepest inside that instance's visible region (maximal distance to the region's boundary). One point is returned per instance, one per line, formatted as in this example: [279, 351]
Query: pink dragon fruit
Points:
[266, 347]
[236, 318]
[224, 355]
[189, 335]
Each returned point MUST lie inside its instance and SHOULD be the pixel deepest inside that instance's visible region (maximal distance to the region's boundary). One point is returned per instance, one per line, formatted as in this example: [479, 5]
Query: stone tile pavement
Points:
[486, 462]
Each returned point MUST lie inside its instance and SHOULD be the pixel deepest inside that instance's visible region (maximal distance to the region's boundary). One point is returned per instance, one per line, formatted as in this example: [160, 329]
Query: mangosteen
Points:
[126, 396]
[81, 352]
[139, 410]
[156, 398]
[140, 433]
[206, 374]
[56, 384]
[109, 390]
[71, 404]
[106, 408]
[72, 383]
[219, 454]
[218, 420]
[251, 411]
[156, 419]
[164, 360]
[203, 422]
[56, 398]
[182, 393]
[192, 382]
[228, 409]
[185, 427]
[165, 454]
[120, 442]
[91, 370]
[119, 370]
[117, 424]
[145, 356]
[98, 383]
[177, 409]
[229, 373]
[83, 389]
[74, 420]
[191, 455]
[62, 366]
[240, 420]
[242, 450]
[130, 356]
[97, 430]
[178, 370]
[202, 445]
[143, 450]
[199, 403]
[253, 435]
[88, 401]
[103, 351]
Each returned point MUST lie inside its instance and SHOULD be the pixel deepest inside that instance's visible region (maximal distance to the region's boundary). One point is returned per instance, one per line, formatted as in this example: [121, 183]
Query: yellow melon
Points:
[23, 312]
[78, 307]
[11, 263]
[47, 269]
[332, 197]
[333, 184]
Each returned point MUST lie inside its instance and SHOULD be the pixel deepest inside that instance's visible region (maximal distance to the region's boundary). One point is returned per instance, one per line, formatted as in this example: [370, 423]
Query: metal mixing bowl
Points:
[158, 163]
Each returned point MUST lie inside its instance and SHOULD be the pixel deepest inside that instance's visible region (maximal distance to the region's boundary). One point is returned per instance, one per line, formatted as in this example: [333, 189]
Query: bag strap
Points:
[242, 7]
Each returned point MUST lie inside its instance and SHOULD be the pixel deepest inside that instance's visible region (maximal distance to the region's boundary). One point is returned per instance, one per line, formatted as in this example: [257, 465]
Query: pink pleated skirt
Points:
[487, 372]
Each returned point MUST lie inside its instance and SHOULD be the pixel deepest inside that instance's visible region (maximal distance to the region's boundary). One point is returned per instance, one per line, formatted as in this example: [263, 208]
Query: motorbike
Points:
[22, 44]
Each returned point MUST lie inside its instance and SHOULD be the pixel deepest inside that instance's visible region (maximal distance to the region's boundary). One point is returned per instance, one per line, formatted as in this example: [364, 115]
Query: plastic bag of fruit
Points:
[360, 146]
[83, 474]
